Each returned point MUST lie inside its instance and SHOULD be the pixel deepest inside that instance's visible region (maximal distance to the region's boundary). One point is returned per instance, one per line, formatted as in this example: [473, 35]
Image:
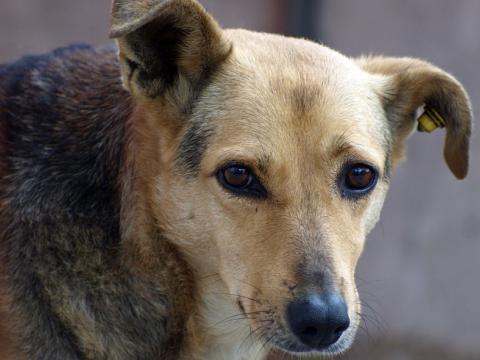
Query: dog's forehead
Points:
[280, 82]
[279, 92]
[293, 57]
[281, 74]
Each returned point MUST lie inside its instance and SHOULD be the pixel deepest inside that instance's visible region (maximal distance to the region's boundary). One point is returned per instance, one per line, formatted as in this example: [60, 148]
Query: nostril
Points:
[343, 327]
[340, 330]
[310, 331]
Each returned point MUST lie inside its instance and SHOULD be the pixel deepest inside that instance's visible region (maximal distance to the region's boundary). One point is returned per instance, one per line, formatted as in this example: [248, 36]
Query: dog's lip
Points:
[293, 346]
[297, 348]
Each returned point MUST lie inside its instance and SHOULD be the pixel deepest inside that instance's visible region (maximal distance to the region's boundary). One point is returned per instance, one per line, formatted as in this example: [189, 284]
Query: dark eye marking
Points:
[193, 146]
[240, 180]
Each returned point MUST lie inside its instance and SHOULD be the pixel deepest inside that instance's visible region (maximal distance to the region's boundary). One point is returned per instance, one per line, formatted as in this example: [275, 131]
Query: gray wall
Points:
[421, 264]
[36, 26]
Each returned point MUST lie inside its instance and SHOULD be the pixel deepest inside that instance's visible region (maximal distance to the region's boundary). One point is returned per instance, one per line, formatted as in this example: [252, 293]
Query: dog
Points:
[201, 193]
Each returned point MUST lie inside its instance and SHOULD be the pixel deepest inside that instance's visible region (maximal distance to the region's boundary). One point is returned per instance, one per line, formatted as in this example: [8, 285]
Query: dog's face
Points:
[270, 159]
[291, 178]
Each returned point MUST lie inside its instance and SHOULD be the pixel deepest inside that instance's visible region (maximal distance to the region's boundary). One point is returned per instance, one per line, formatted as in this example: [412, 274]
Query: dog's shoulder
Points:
[63, 121]
[65, 124]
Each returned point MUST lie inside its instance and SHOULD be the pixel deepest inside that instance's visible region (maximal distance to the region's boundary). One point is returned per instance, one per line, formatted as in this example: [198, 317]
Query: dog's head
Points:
[267, 159]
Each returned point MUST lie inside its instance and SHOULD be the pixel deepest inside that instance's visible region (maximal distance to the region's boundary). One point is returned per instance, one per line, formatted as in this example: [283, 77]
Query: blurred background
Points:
[419, 275]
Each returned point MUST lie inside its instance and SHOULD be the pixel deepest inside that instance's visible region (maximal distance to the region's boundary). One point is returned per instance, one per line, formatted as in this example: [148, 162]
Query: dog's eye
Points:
[240, 180]
[237, 176]
[358, 179]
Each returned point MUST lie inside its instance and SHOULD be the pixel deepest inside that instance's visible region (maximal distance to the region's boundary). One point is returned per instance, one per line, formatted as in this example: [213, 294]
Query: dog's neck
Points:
[228, 334]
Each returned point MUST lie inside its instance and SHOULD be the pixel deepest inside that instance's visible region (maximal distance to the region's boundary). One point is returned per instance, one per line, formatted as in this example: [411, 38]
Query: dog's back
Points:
[62, 150]
[63, 126]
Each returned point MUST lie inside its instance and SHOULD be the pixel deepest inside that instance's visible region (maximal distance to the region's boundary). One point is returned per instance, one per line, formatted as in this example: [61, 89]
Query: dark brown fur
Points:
[77, 293]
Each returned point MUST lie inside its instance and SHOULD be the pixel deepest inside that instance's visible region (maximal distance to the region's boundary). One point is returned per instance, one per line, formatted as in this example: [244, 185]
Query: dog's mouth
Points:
[291, 345]
[274, 334]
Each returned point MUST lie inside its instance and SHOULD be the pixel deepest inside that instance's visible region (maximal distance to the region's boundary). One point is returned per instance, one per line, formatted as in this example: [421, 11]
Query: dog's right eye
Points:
[237, 176]
[240, 180]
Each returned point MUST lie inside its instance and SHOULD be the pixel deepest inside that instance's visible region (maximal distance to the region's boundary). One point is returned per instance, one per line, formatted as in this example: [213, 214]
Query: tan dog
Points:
[250, 169]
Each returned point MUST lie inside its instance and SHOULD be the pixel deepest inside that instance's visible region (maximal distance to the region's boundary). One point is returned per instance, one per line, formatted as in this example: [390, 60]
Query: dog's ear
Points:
[410, 83]
[166, 44]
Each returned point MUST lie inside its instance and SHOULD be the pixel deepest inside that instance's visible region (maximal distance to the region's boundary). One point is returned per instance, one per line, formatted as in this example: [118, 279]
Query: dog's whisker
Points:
[209, 276]
[246, 283]
[238, 296]
[374, 316]
[247, 337]
[242, 316]
[366, 319]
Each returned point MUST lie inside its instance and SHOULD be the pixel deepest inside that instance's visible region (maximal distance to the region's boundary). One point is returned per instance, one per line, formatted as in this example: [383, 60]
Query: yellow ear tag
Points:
[430, 120]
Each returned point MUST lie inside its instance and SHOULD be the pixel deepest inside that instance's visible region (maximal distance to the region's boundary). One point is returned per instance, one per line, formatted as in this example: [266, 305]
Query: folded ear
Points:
[411, 83]
[165, 44]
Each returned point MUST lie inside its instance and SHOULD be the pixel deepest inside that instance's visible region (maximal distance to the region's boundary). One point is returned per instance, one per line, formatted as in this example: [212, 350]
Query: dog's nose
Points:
[318, 320]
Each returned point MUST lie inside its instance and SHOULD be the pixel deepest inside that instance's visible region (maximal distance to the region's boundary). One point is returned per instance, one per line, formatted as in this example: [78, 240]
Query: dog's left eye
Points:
[358, 180]
[240, 180]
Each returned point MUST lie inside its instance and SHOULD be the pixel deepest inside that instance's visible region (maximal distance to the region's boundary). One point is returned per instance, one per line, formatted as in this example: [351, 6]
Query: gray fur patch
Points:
[193, 146]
